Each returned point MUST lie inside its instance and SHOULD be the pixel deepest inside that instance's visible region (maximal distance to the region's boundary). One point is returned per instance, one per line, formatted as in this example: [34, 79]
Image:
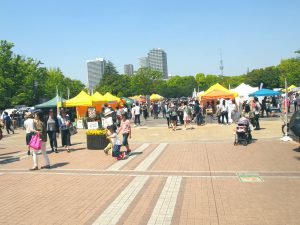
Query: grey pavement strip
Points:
[117, 208]
[146, 163]
[164, 208]
[119, 164]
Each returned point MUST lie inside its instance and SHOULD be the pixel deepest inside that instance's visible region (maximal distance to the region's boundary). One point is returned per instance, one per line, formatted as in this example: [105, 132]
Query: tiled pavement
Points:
[174, 179]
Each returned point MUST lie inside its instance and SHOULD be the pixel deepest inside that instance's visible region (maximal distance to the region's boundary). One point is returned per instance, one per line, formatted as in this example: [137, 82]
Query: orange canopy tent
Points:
[217, 91]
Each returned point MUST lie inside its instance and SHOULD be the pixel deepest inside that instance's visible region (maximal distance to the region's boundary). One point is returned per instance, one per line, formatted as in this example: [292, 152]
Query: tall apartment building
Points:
[128, 69]
[144, 62]
[158, 60]
[95, 71]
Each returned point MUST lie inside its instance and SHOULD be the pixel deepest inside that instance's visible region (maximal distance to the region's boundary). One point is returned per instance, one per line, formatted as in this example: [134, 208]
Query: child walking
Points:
[125, 128]
[116, 143]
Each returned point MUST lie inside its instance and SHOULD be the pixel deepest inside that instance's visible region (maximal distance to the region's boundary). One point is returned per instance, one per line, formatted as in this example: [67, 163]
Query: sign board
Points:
[92, 125]
[79, 124]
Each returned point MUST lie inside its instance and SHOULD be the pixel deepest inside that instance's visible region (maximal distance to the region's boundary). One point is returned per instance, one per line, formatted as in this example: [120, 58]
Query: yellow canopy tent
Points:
[289, 88]
[155, 97]
[98, 100]
[113, 101]
[138, 98]
[217, 91]
[82, 101]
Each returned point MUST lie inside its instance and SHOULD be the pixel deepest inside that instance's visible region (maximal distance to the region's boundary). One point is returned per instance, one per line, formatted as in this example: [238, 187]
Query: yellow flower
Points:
[100, 131]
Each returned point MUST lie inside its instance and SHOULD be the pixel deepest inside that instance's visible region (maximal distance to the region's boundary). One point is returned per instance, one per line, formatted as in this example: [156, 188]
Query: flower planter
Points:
[96, 142]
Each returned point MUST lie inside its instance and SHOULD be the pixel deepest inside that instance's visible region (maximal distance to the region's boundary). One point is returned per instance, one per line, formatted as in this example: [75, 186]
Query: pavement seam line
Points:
[165, 205]
[146, 163]
[119, 164]
[117, 208]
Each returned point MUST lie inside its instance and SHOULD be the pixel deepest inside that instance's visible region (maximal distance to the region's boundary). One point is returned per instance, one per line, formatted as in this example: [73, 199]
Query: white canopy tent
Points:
[244, 90]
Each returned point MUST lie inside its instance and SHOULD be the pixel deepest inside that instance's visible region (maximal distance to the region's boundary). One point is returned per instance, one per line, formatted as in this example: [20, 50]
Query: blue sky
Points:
[66, 33]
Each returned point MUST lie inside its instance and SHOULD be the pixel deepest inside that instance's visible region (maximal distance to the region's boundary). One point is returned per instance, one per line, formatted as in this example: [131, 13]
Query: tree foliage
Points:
[24, 81]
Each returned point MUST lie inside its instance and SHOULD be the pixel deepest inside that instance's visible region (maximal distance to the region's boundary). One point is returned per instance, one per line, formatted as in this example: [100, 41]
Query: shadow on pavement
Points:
[297, 149]
[9, 159]
[9, 152]
[57, 165]
[136, 153]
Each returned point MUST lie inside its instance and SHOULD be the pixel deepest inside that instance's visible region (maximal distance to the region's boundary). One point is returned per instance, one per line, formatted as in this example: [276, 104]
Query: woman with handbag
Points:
[64, 124]
[41, 132]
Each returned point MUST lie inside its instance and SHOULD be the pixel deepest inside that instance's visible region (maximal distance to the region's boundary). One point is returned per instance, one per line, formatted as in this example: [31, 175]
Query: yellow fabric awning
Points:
[289, 88]
[155, 97]
[98, 98]
[111, 98]
[82, 99]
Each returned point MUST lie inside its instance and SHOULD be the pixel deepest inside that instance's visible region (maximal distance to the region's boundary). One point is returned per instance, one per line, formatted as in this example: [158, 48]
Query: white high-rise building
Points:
[128, 69]
[95, 72]
[144, 62]
[158, 60]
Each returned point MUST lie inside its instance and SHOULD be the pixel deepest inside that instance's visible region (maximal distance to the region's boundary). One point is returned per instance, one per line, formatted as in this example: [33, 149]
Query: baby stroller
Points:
[243, 132]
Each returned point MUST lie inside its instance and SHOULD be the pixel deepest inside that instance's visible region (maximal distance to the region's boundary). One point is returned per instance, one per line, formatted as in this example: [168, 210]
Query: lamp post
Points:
[35, 85]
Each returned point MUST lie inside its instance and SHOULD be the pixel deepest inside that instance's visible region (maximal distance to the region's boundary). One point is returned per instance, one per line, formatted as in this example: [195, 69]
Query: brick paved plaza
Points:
[184, 177]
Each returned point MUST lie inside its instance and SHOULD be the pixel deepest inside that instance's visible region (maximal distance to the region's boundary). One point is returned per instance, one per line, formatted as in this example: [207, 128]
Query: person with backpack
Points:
[173, 116]
[197, 110]
[187, 115]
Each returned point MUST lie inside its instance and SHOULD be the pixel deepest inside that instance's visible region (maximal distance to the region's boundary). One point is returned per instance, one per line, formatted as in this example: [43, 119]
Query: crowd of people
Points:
[177, 112]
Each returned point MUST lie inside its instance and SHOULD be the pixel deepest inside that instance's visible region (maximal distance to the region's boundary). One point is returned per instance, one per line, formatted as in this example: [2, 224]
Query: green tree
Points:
[145, 81]
[290, 69]
[110, 69]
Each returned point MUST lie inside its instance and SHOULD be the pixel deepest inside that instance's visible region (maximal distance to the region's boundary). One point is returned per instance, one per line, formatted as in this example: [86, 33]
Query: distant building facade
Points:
[144, 62]
[157, 59]
[128, 69]
[95, 72]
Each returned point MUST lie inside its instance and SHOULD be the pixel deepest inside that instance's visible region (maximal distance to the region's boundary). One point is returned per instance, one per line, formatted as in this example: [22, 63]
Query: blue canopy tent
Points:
[264, 92]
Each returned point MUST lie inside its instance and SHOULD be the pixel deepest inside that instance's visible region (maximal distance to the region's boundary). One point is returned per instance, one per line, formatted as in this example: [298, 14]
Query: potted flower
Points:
[96, 139]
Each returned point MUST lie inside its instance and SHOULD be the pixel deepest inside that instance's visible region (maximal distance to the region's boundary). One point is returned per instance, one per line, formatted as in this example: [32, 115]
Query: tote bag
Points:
[72, 129]
[35, 142]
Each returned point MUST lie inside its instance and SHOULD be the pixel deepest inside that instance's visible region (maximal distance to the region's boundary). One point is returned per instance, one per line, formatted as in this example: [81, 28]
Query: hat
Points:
[28, 115]
[107, 112]
[51, 110]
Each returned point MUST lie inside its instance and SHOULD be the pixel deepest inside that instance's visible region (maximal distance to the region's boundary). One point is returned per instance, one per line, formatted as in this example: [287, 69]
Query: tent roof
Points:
[51, 103]
[82, 99]
[289, 88]
[111, 98]
[218, 91]
[156, 97]
[97, 97]
[215, 94]
[264, 92]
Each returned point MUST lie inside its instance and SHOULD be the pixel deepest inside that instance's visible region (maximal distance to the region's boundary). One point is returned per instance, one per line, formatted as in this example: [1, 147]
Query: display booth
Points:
[113, 101]
[82, 101]
[217, 91]
[98, 101]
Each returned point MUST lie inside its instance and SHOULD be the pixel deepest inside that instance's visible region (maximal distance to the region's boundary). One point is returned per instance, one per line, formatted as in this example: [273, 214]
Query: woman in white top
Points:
[28, 125]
